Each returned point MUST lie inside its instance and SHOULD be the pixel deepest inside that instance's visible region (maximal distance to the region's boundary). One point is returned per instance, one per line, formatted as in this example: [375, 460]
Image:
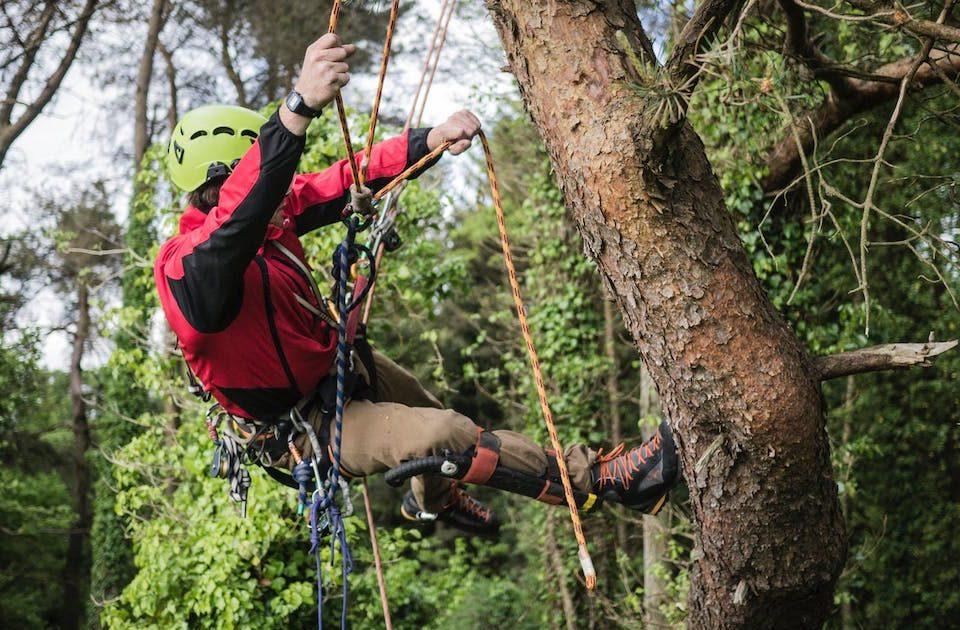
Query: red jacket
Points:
[230, 295]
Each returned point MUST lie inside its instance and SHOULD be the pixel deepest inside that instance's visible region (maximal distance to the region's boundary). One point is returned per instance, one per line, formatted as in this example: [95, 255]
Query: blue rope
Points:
[323, 502]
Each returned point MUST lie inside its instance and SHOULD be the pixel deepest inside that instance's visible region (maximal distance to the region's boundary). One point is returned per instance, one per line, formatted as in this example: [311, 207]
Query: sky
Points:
[75, 140]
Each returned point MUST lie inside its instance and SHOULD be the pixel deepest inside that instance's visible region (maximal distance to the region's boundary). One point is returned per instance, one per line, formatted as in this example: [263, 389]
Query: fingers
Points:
[329, 48]
[329, 40]
[459, 147]
[342, 79]
[338, 53]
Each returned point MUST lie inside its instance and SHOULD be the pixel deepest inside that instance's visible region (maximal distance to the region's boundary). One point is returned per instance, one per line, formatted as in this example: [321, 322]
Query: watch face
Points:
[294, 101]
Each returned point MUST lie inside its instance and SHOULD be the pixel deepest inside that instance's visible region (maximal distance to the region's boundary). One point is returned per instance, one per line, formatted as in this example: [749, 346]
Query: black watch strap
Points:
[295, 104]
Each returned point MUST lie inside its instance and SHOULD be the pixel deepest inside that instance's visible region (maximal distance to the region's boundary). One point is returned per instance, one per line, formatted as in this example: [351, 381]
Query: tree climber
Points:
[236, 289]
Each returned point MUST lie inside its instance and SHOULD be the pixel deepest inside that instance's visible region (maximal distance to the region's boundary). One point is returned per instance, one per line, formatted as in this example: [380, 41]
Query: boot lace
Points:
[460, 500]
[617, 467]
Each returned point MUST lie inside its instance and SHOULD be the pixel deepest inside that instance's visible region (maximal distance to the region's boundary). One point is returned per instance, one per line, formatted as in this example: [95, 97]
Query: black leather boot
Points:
[642, 477]
[462, 511]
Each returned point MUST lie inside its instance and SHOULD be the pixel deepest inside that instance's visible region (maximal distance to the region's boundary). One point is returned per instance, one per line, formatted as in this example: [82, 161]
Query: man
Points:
[236, 289]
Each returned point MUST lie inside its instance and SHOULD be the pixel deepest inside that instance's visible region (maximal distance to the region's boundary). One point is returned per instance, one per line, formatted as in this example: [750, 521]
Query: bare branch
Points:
[890, 356]
[901, 18]
[783, 160]
[10, 132]
[698, 32]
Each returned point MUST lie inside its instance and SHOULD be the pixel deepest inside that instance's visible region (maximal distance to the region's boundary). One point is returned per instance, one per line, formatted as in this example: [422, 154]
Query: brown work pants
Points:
[411, 423]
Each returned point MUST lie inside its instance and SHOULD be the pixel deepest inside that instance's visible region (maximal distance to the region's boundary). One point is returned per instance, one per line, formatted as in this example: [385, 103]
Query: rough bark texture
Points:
[77, 562]
[735, 382]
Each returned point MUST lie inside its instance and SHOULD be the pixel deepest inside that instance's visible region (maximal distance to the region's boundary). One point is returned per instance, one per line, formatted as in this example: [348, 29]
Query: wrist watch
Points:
[295, 104]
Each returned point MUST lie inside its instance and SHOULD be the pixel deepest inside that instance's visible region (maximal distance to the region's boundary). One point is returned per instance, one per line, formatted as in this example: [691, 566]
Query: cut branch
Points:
[891, 356]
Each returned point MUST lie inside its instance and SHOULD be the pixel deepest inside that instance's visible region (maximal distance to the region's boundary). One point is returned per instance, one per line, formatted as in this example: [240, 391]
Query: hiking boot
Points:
[642, 477]
[462, 511]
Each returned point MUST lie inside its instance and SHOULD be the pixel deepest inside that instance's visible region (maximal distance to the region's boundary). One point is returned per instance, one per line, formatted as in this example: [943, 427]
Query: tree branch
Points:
[696, 34]
[922, 28]
[10, 133]
[23, 71]
[889, 356]
[783, 160]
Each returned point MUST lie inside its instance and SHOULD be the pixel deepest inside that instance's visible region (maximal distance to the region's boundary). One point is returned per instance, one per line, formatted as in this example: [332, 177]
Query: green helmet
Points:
[208, 140]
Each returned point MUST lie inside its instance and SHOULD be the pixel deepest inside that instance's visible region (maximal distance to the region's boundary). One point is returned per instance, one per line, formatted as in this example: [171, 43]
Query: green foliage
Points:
[35, 512]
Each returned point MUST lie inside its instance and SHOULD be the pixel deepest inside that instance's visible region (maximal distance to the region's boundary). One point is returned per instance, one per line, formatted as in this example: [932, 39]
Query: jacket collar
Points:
[191, 219]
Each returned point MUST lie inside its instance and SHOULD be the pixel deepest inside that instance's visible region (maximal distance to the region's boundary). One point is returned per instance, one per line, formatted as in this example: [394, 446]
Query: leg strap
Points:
[486, 456]
[474, 466]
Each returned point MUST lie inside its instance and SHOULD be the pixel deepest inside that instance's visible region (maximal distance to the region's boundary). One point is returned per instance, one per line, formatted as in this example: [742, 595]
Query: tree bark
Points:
[10, 128]
[141, 130]
[77, 561]
[735, 382]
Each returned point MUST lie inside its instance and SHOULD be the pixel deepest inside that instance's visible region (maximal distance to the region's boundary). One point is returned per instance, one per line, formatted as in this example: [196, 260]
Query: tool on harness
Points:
[481, 465]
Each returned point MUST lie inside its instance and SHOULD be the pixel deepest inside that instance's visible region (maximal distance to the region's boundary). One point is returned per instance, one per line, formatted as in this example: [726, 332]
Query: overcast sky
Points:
[76, 140]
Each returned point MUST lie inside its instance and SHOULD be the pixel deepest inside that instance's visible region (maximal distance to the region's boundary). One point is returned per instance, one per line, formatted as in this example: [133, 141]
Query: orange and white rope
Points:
[586, 563]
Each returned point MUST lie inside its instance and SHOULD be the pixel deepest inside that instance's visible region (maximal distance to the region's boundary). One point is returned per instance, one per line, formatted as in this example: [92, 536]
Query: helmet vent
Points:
[198, 134]
[226, 130]
[248, 133]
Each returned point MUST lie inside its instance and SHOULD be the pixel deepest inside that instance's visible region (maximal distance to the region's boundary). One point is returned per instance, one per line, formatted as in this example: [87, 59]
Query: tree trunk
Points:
[141, 134]
[556, 567]
[733, 379]
[77, 561]
[656, 529]
[849, 398]
[170, 71]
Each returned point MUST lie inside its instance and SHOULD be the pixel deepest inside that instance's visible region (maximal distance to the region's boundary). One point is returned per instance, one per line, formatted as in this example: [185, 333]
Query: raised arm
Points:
[318, 199]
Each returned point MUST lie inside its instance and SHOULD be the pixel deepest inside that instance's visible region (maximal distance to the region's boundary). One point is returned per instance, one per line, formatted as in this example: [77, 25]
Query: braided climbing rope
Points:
[375, 112]
[341, 111]
[586, 563]
[359, 173]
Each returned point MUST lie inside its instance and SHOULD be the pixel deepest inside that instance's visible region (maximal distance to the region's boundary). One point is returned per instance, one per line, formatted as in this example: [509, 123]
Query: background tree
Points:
[27, 28]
